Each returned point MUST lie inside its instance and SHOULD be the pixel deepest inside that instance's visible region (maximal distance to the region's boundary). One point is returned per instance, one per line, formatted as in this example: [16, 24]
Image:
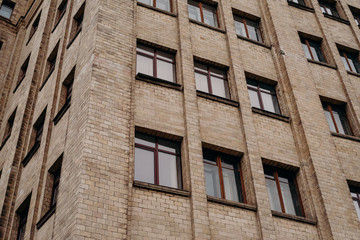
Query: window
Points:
[283, 193]
[66, 89]
[300, 2]
[160, 4]
[22, 72]
[51, 62]
[336, 117]
[1, 43]
[313, 50]
[350, 61]
[6, 8]
[60, 12]
[223, 176]
[77, 23]
[34, 26]
[357, 19]
[22, 215]
[329, 8]
[157, 161]
[155, 63]
[248, 28]
[8, 128]
[355, 194]
[263, 96]
[211, 80]
[37, 131]
[203, 13]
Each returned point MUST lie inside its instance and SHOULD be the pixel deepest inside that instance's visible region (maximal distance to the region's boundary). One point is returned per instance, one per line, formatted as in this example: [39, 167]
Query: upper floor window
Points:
[337, 119]
[155, 63]
[22, 72]
[329, 8]
[160, 4]
[263, 96]
[223, 176]
[357, 19]
[350, 61]
[1, 43]
[283, 192]
[77, 23]
[8, 128]
[300, 2]
[51, 62]
[22, 217]
[313, 50]
[60, 12]
[202, 12]
[248, 28]
[34, 26]
[355, 194]
[6, 8]
[157, 161]
[211, 80]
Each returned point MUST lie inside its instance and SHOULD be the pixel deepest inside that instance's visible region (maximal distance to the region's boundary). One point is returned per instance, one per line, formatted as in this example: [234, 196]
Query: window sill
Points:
[306, 8]
[4, 141]
[57, 23]
[156, 9]
[322, 64]
[46, 216]
[345, 136]
[353, 73]
[337, 18]
[271, 114]
[46, 79]
[158, 81]
[61, 112]
[18, 84]
[231, 203]
[217, 98]
[207, 26]
[73, 39]
[253, 41]
[6, 19]
[293, 217]
[159, 188]
[30, 154]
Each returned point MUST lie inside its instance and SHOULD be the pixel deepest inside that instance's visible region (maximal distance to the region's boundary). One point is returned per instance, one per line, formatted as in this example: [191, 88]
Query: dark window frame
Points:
[34, 26]
[342, 113]
[244, 20]
[200, 6]
[354, 57]
[22, 217]
[9, 4]
[355, 190]
[154, 5]
[329, 8]
[300, 2]
[22, 72]
[317, 45]
[8, 128]
[60, 12]
[76, 25]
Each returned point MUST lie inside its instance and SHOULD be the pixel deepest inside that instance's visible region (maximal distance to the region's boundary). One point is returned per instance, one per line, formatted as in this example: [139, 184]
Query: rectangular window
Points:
[337, 119]
[283, 193]
[1, 43]
[300, 2]
[355, 195]
[23, 71]
[37, 131]
[51, 62]
[60, 12]
[22, 215]
[350, 61]
[248, 28]
[8, 128]
[7, 8]
[329, 8]
[34, 26]
[77, 23]
[160, 4]
[313, 50]
[223, 176]
[202, 12]
[263, 96]
[157, 161]
[211, 80]
[357, 19]
[155, 63]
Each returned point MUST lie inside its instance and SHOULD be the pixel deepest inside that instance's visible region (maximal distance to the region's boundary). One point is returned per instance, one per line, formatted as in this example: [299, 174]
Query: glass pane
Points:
[352, 64]
[231, 189]
[201, 82]
[194, 11]
[338, 122]
[165, 71]
[201, 67]
[357, 208]
[217, 73]
[253, 30]
[314, 53]
[240, 28]
[219, 87]
[145, 49]
[144, 165]
[167, 170]
[343, 59]
[169, 146]
[306, 50]
[165, 56]
[163, 4]
[322, 9]
[254, 99]
[209, 14]
[212, 180]
[273, 195]
[148, 2]
[144, 140]
[287, 198]
[330, 121]
[268, 102]
[5, 11]
[144, 65]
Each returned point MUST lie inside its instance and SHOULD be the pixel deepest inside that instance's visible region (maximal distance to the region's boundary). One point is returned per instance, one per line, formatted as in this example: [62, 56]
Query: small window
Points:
[357, 19]
[223, 176]
[77, 23]
[34, 26]
[283, 192]
[22, 216]
[37, 130]
[1, 43]
[248, 28]
[8, 128]
[329, 8]
[202, 12]
[155, 63]
[355, 195]
[300, 2]
[337, 120]
[313, 50]
[160, 4]
[60, 12]
[263, 96]
[350, 61]
[23, 71]
[6, 8]
[51, 62]
[157, 161]
[211, 80]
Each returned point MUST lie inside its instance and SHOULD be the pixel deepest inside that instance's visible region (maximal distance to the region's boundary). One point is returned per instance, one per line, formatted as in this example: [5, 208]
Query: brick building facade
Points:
[177, 119]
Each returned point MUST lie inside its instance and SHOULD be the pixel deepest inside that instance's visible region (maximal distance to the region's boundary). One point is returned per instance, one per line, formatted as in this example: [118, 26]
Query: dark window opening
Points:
[34, 26]
[300, 2]
[355, 195]
[8, 128]
[23, 71]
[77, 23]
[51, 62]
[22, 216]
[329, 8]
[60, 12]
[37, 130]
